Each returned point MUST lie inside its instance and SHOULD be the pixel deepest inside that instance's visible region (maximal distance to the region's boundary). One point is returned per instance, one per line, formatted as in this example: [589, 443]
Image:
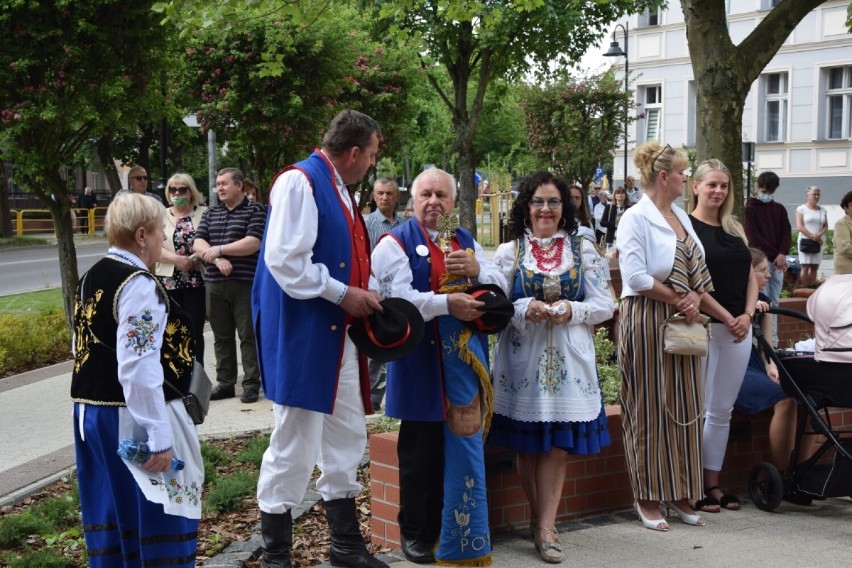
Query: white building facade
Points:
[798, 112]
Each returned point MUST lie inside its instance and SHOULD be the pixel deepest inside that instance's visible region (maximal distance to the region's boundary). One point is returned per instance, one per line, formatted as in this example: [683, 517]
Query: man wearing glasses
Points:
[137, 180]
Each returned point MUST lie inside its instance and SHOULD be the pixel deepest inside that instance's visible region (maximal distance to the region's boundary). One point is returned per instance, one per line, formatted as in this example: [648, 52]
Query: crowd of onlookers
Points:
[311, 288]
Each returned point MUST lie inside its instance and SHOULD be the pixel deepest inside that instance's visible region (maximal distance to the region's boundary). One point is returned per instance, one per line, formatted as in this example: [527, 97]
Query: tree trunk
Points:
[407, 172]
[145, 143]
[5, 209]
[108, 163]
[60, 211]
[467, 187]
[720, 132]
[726, 72]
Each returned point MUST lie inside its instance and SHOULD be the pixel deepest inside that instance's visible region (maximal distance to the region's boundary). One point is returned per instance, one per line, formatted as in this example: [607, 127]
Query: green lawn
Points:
[21, 241]
[31, 302]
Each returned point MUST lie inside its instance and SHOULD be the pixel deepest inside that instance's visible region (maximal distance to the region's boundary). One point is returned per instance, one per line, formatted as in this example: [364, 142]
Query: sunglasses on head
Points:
[139, 178]
[654, 163]
[179, 190]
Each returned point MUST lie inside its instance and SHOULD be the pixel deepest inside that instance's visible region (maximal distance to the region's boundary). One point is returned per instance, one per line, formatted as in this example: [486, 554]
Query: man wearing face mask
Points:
[767, 227]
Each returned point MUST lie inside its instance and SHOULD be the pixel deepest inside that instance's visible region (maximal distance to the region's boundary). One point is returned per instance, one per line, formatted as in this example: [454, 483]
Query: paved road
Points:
[29, 269]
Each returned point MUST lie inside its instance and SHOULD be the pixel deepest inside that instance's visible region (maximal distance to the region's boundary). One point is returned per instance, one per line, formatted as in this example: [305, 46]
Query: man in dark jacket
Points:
[768, 229]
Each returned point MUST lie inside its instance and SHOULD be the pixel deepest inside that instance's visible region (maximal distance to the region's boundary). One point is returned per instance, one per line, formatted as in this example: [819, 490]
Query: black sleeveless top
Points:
[94, 379]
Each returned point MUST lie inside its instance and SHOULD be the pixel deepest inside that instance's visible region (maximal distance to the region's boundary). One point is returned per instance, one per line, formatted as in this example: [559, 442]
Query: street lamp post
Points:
[616, 51]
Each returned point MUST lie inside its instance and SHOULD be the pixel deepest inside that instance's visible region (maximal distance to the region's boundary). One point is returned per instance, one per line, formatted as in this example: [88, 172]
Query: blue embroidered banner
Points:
[465, 537]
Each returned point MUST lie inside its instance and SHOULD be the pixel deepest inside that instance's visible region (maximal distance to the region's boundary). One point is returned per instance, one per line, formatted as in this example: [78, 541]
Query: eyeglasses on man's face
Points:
[179, 190]
[551, 203]
[139, 178]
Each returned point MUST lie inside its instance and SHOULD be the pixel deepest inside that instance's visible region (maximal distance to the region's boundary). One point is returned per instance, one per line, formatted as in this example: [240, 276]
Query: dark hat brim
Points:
[367, 346]
[498, 309]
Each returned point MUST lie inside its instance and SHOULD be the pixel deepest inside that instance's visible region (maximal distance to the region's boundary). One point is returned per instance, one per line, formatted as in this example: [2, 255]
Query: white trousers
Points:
[303, 438]
[726, 364]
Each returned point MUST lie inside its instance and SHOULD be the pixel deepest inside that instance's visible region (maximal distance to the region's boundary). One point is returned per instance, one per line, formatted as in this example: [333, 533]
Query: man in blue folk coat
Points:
[312, 283]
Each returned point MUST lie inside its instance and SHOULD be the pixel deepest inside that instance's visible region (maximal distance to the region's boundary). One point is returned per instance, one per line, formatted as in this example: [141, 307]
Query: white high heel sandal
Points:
[653, 524]
[693, 519]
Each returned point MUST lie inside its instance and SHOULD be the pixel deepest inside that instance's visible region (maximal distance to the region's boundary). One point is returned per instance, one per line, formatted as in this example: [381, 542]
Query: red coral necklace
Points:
[547, 258]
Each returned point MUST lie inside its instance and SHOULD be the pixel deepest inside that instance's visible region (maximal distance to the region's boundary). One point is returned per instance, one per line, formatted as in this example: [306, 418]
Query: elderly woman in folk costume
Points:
[129, 340]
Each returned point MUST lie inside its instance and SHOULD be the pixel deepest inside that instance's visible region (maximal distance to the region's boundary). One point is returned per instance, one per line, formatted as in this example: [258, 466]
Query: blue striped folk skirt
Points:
[579, 438]
[121, 527]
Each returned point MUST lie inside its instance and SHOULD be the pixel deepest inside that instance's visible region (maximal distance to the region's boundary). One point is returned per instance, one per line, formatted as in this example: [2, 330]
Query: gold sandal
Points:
[550, 551]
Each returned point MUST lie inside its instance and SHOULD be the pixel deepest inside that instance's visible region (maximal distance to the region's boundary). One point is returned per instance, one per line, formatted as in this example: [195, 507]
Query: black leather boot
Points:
[347, 544]
[277, 533]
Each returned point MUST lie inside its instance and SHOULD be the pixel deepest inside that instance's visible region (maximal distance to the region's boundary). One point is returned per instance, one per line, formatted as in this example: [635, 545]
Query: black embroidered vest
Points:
[95, 376]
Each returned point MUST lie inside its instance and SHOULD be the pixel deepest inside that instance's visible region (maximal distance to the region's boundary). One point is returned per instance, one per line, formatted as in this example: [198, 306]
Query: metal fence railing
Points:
[33, 221]
[492, 214]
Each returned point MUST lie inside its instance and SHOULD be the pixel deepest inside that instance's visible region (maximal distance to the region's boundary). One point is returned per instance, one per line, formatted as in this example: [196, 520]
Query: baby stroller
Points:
[817, 387]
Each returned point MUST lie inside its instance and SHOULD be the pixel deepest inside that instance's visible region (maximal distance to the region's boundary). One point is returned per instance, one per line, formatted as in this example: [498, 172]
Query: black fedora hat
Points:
[390, 334]
[498, 309]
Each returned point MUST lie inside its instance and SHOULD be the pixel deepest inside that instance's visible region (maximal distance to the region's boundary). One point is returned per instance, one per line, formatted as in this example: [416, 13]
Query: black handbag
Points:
[807, 245]
[197, 400]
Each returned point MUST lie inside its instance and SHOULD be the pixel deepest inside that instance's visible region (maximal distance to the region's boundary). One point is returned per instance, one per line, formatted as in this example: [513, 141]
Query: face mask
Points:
[180, 202]
[765, 197]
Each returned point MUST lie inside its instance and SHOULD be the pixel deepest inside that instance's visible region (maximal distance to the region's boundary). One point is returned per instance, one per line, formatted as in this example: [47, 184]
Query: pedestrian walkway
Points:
[37, 447]
[38, 442]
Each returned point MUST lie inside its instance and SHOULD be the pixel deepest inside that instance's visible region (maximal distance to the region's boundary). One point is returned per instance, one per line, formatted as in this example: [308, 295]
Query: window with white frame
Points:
[649, 18]
[652, 97]
[94, 180]
[775, 106]
[838, 99]
[768, 4]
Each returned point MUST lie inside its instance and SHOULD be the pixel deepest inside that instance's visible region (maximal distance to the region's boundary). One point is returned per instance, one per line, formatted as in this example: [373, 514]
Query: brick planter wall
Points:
[593, 485]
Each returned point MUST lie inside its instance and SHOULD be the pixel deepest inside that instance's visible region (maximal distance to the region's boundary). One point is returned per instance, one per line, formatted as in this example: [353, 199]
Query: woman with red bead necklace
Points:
[547, 398]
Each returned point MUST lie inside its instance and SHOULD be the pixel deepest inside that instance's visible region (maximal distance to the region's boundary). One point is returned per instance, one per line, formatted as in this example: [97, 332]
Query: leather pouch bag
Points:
[808, 245]
[681, 338]
[197, 400]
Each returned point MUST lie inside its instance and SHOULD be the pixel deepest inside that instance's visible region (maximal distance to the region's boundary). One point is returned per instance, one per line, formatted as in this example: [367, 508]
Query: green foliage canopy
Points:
[573, 123]
[68, 70]
[476, 42]
[275, 119]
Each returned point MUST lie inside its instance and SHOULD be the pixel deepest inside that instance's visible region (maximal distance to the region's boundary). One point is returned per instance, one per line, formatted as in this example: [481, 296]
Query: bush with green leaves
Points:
[44, 558]
[228, 491]
[212, 457]
[253, 452]
[46, 517]
[28, 341]
[608, 369]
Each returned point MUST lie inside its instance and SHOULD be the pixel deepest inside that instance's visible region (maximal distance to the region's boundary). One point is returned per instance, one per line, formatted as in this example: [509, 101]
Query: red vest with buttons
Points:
[300, 342]
[360, 275]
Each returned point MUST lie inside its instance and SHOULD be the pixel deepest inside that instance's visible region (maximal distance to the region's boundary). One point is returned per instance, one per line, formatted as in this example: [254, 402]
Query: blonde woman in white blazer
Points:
[177, 269]
[663, 272]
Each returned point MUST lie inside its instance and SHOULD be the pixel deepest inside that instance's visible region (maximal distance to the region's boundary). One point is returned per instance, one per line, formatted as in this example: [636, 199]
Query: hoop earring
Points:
[527, 223]
[562, 222]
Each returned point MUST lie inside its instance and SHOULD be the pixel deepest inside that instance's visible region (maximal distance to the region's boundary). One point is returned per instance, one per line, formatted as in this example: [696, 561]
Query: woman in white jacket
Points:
[663, 272]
